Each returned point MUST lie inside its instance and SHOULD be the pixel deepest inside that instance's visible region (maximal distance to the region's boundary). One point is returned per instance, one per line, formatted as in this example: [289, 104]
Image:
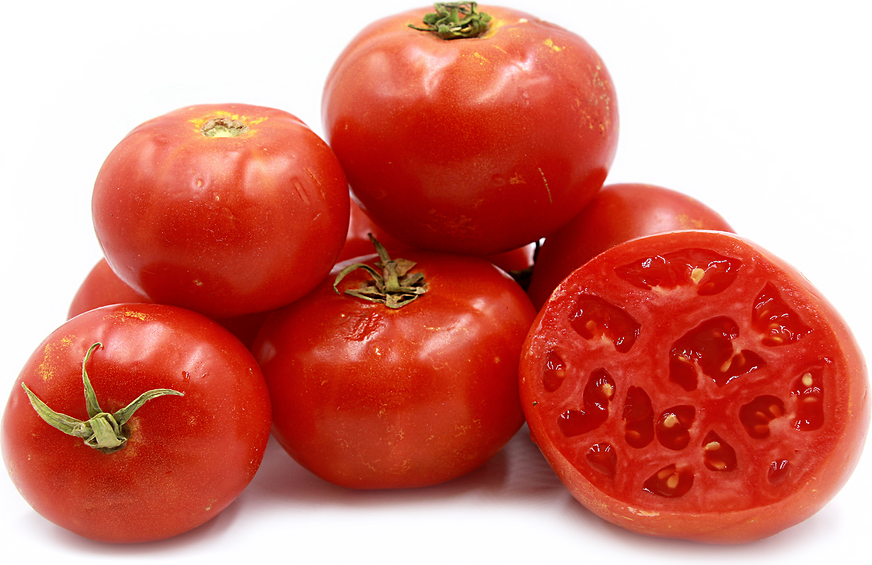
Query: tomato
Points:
[358, 243]
[692, 385]
[183, 456]
[102, 287]
[617, 213]
[223, 209]
[372, 397]
[475, 145]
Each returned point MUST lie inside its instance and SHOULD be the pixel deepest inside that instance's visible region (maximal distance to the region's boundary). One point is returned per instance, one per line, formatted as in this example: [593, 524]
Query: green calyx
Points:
[103, 431]
[394, 287]
[455, 20]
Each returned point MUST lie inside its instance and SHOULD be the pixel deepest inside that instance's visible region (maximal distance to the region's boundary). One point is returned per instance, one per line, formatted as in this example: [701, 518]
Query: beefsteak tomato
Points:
[146, 470]
[690, 384]
[479, 144]
[223, 209]
[374, 397]
[619, 212]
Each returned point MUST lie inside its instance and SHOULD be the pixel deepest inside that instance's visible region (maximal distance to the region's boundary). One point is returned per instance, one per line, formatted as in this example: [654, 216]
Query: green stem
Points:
[455, 20]
[102, 431]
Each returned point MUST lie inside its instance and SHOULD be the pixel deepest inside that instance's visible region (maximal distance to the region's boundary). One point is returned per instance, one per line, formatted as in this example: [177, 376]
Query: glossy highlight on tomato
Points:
[618, 213]
[371, 397]
[692, 385]
[186, 455]
[475, 145]
[225, 209]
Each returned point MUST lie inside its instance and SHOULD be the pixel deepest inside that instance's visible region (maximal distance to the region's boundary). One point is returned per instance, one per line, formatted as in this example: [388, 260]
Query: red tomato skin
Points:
[221, 225]
[618, 213]
[358, 244]
[367, 397]
[102, 287]
[473, 146]
[187, 457]
[833, 458]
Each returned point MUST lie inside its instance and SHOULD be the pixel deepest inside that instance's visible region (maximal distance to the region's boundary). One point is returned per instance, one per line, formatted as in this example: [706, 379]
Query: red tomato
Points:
[223, 209]
[691, 385]
[474, 145]
[357, 244]
[102, 287]
[618, 213]
[185, 457]
[373, 397]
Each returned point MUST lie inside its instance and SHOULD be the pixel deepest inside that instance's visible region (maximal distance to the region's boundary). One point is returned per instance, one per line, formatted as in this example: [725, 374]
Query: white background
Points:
[759, 109]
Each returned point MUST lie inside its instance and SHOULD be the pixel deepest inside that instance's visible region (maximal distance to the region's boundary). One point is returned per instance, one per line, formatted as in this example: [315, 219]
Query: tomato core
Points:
[223, 127]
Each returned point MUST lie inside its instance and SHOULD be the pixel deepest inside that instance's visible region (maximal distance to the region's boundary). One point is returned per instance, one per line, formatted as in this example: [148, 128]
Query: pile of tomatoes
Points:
[680, 380]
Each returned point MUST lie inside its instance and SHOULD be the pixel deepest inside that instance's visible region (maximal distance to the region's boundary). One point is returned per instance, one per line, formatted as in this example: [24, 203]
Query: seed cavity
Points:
[709, 348]
[708, 272]
[757, 415]
[808, 391]
[638, 418]
[602, 458]
[718, 455]
[775, 320]
[673, 427]
[594, 318]
[595, 410]
[554, 373]
[669, 482]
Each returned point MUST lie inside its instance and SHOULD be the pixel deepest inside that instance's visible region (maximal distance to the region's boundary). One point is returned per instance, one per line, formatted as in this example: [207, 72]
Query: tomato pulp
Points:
[476, 145]
[692, 385]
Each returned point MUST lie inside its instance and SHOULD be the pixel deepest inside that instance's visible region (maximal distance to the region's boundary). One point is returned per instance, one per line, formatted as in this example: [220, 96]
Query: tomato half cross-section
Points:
[403, 375]
[692, 385]
[135, 422]
[225, 209]
[470, 129]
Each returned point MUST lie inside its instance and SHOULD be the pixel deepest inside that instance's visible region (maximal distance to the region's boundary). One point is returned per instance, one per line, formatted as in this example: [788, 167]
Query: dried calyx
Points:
[455, 20]
[394, 287]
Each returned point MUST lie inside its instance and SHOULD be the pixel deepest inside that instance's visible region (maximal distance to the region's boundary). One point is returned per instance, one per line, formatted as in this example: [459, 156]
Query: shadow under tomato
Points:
[518, 471]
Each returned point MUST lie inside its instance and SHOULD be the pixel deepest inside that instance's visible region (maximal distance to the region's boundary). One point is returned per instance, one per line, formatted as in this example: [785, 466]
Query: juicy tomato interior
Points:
[692, 374]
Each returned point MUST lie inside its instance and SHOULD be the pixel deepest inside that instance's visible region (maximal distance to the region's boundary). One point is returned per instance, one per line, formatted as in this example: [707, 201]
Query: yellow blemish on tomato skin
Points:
[125, 315]
[50, 353]
[549, 43]
[481, 59]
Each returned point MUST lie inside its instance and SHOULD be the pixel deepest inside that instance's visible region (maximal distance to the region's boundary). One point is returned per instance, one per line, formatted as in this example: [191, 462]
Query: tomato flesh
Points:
[690, 384]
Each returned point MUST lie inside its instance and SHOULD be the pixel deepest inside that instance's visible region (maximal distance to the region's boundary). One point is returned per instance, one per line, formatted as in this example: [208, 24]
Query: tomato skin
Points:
[748, 495]
[221, 225]
[474, 146]
[368, 397]
[618, 213]
[357, 244]
[187, 457]
[102, 287]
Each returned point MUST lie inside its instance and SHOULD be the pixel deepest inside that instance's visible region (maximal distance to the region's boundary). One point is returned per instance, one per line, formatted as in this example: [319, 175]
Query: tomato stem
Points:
[394, 286]
[455, 20]
[102, 431]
